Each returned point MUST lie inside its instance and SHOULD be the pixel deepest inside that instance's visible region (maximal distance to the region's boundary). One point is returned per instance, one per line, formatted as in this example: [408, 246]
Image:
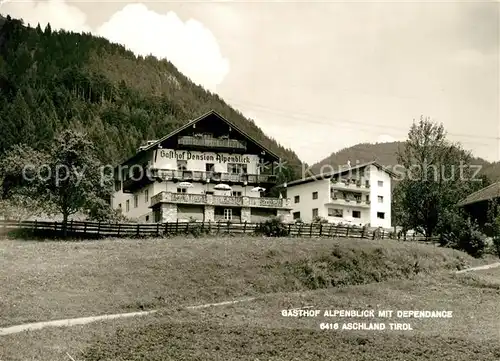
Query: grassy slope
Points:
[256, 331]
[55, 280]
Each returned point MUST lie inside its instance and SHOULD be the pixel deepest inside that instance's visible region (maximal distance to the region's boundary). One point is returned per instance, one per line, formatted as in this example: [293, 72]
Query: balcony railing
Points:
[212, 142]
[189, 175]
[349, 202]
[217, 200]
[355, 187]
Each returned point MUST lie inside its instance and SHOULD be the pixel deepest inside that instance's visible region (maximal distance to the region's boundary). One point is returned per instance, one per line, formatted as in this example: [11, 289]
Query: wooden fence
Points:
[79, 229]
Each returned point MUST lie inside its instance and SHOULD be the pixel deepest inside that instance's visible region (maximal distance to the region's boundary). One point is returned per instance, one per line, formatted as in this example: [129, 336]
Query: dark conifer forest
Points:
[53, 80]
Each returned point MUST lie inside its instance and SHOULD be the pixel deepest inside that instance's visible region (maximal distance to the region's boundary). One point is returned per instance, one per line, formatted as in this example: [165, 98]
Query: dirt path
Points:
[85, 320]
[479, 268]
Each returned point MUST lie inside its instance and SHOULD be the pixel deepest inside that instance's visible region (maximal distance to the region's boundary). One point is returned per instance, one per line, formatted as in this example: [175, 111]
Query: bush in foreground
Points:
[273, 227]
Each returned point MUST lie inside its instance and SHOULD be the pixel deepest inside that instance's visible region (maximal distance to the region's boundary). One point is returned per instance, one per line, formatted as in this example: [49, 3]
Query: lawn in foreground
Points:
[257, 331]
[53, 280]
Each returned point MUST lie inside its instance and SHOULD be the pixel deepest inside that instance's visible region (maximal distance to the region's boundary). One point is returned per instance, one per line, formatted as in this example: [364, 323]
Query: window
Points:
[367, 198]
[334, 212]
[315, 212]
[356, 214]
[367, 183]
[146, 196]
[136, 200]
[296, 215]
[228, 214]
[118, 185]
[236, 168]
[380, 183]
[209, 167]
[182, 165]
[315, 195]
[147, 218]
[380, 199]
[181, 190]
[236, 194]
[380, 215]
[296, 199]
[127, 205]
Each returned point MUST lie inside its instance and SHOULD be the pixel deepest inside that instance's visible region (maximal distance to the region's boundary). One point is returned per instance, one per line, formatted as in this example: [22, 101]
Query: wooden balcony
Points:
[217, 200]
[189, 175]
[217, 143]
[138, 180]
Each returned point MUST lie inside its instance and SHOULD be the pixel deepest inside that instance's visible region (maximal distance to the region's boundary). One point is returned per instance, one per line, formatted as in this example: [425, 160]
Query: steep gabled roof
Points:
[340, 171]
[194, 121]
[490, 192]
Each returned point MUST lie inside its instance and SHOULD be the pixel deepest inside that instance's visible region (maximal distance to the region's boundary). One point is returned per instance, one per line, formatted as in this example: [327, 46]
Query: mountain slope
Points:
[54, 80]
[386, 154]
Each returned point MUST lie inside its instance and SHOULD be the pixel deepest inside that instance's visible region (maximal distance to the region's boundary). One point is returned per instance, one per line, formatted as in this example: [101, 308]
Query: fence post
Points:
[336, 230]
[119, 228]
[85, 228]
[166, 228]
[311, 230]
[138, 232]
[347, 231]
[299, 232]
[228, 226]
[363, 232]
[245, 228]
[177, 227]
[383, 233]
[373, 237]
[320, 229]
[157, 229]
[209, 226]
[202, 226]
[99, 229]
[34, 230]
[218, 226]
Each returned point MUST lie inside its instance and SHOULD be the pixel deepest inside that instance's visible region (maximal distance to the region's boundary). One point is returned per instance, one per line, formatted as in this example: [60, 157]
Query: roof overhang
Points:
[155, 145]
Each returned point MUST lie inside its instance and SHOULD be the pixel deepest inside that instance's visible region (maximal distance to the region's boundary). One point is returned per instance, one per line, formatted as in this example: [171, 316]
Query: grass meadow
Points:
[44, 281]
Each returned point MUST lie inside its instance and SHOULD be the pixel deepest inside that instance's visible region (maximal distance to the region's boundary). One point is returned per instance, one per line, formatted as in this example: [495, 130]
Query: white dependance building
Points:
[206, 154]
[359, 195]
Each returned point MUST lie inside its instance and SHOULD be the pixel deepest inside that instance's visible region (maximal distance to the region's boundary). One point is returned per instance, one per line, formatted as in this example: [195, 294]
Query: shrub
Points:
[102, 212]
[273, 227]
[469, 239]
[319, 219]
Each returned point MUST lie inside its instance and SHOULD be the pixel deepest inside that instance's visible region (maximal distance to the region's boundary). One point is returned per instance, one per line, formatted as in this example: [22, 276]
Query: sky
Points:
[317, 76]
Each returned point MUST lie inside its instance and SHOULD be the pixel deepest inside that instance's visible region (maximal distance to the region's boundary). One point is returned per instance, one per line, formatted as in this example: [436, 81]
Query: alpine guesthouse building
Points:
[206, 170]
[359, 195]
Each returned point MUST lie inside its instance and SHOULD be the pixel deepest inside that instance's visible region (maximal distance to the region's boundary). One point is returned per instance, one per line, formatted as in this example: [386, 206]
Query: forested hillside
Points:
[54, 80]
[386, 154]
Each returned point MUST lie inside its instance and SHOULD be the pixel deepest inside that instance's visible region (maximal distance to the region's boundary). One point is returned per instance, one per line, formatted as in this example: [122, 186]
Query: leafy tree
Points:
[75, 181]
[19, 186]
[67, 179]
[436, 176]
